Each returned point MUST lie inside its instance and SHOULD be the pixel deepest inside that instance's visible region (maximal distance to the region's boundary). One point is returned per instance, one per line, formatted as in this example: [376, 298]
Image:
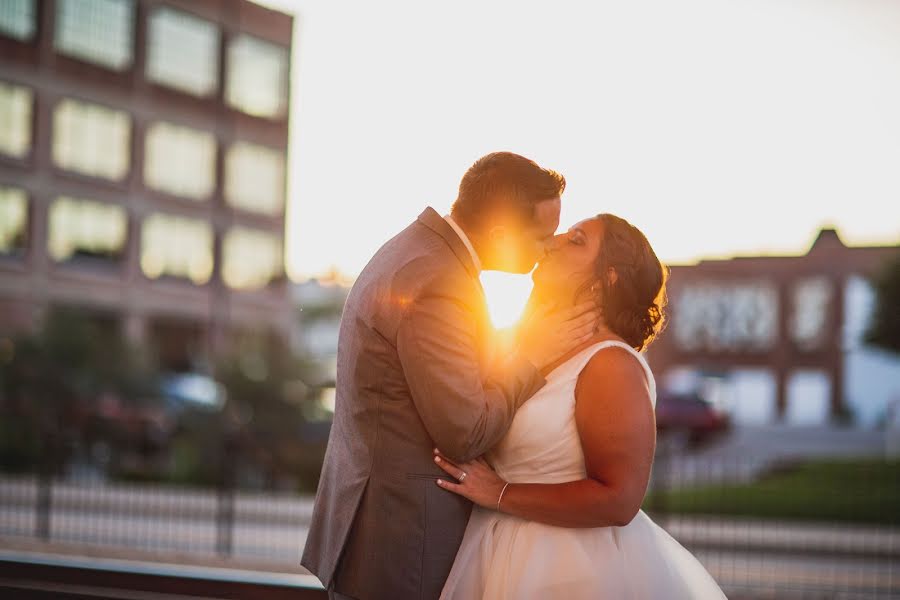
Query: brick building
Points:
[142, 167]
[780, 338]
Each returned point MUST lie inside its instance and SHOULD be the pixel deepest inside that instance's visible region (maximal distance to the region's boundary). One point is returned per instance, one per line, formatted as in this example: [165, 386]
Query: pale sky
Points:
[717, 127]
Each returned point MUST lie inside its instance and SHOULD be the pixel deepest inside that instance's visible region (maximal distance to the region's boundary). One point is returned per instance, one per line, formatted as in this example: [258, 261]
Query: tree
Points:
[51, 378]
[884, 328]
[268, 395]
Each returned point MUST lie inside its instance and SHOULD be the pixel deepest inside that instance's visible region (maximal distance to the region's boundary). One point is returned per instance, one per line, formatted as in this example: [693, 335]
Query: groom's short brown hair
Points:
[503, 181]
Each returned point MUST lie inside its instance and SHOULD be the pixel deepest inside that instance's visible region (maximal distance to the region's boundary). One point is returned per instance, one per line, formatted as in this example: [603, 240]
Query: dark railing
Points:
[764, 529]
[785, 527]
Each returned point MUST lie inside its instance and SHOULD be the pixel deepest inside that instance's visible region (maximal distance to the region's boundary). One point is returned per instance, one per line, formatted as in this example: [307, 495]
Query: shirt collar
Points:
[465, 240]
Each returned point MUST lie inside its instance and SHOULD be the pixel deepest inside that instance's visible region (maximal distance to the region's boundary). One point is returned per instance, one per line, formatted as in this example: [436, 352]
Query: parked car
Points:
[689, 419]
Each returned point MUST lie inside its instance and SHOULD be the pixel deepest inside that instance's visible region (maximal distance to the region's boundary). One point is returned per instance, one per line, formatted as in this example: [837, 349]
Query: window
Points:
[726, 316]
[811, 301]
[183, 52]
[13, 221]
[257, 77]
[85, 228]
[17, 19]
[91, 139]
[178, 247]
[180, 161]
[96, 31]
[254, 178]
[250, 258]
[15, 120]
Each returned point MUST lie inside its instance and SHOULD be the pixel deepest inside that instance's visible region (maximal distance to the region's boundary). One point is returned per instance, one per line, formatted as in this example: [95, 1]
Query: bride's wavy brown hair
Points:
[634, 304]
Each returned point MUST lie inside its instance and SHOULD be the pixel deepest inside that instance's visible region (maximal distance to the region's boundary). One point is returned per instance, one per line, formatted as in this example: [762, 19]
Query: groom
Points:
[415, 371]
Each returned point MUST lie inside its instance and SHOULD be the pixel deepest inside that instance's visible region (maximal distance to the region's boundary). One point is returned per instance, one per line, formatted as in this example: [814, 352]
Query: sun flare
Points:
[506, 295]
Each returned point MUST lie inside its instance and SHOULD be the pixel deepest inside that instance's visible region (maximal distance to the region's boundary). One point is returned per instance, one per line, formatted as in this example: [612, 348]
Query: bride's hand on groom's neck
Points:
[551, 332]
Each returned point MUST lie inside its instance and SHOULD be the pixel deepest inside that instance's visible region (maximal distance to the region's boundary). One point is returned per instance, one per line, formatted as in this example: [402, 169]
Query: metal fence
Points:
[784, 529]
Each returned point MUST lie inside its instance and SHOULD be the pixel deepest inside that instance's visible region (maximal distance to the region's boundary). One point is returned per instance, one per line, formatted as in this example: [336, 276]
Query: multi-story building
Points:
[781, 338]
[142, 167]
[319, 304]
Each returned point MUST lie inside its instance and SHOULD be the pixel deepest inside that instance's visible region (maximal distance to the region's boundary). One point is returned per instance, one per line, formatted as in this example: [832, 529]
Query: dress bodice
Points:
[542, 444]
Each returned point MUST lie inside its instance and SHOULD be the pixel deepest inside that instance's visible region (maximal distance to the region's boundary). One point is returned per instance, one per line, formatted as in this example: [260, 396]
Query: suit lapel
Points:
[435, 222]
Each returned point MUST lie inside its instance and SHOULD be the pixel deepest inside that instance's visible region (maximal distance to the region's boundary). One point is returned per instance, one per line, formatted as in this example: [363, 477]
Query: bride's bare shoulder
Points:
[613, 373]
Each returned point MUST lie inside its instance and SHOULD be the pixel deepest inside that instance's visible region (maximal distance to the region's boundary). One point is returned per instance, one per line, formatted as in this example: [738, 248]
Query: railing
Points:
[764, 529]
[774, 528]
[156, 519]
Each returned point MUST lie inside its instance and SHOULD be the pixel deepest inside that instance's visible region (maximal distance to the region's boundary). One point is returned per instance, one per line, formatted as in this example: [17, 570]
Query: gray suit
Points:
[414, 372]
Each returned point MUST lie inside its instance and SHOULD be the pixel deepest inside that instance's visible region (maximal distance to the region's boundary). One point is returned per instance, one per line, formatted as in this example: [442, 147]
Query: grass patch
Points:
[853, 491]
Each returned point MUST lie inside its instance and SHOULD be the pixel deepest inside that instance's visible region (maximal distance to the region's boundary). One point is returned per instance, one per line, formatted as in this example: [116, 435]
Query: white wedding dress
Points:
[507, 558]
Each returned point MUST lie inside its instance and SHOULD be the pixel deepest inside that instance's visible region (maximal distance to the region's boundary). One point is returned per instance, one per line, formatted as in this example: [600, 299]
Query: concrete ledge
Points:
[36, 574]
[104, 551]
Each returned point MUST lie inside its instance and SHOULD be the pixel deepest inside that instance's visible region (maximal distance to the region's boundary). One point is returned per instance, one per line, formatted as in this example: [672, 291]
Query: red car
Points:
[689, 419]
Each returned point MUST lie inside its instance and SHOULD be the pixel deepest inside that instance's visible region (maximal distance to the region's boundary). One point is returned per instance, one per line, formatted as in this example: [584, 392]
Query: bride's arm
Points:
[618, 431]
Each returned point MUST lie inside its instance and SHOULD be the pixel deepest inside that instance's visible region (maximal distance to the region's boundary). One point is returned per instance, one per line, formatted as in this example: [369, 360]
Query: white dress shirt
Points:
[465, 240]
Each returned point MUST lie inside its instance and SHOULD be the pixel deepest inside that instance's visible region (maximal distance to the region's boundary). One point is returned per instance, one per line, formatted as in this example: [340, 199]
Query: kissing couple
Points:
[463, 467]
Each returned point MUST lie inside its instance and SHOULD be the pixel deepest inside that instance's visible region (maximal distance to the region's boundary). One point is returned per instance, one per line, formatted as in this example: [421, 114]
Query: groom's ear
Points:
[497, 234]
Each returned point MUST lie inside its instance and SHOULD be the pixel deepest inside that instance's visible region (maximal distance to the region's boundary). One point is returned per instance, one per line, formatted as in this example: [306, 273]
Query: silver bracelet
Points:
[501, 495]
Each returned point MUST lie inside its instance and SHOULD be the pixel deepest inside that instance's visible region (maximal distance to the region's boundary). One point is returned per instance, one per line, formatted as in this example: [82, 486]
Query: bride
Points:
[558, 499]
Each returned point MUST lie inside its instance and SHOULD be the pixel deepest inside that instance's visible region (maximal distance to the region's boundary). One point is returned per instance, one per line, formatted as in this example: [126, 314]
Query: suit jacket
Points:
[414, 372]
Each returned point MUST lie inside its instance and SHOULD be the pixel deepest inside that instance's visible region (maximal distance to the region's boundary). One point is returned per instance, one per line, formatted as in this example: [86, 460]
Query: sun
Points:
[506, 295]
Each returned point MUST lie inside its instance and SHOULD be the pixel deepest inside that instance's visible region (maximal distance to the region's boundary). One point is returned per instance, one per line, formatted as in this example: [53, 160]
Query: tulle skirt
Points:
[505, 558]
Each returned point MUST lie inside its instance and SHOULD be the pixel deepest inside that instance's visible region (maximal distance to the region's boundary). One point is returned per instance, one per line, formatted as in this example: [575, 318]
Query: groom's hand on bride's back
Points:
[550, 332]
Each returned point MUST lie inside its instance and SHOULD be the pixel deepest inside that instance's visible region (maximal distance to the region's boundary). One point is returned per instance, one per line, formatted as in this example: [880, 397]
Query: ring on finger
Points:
[462, 476]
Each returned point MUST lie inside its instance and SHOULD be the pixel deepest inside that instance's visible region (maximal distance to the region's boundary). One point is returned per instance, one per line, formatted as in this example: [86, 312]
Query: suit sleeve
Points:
[464, 413]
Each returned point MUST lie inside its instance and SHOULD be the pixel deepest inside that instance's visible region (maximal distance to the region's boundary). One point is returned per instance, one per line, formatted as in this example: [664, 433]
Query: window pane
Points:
[13, 221]
[86, 228]
[15, 120]
[183, 52]
[91, 139]
[254, 178]
[251, 258]
[97, 31]
[180, 160]
[257, 77]
[17, 19]
[176, 246]
[811, 305]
